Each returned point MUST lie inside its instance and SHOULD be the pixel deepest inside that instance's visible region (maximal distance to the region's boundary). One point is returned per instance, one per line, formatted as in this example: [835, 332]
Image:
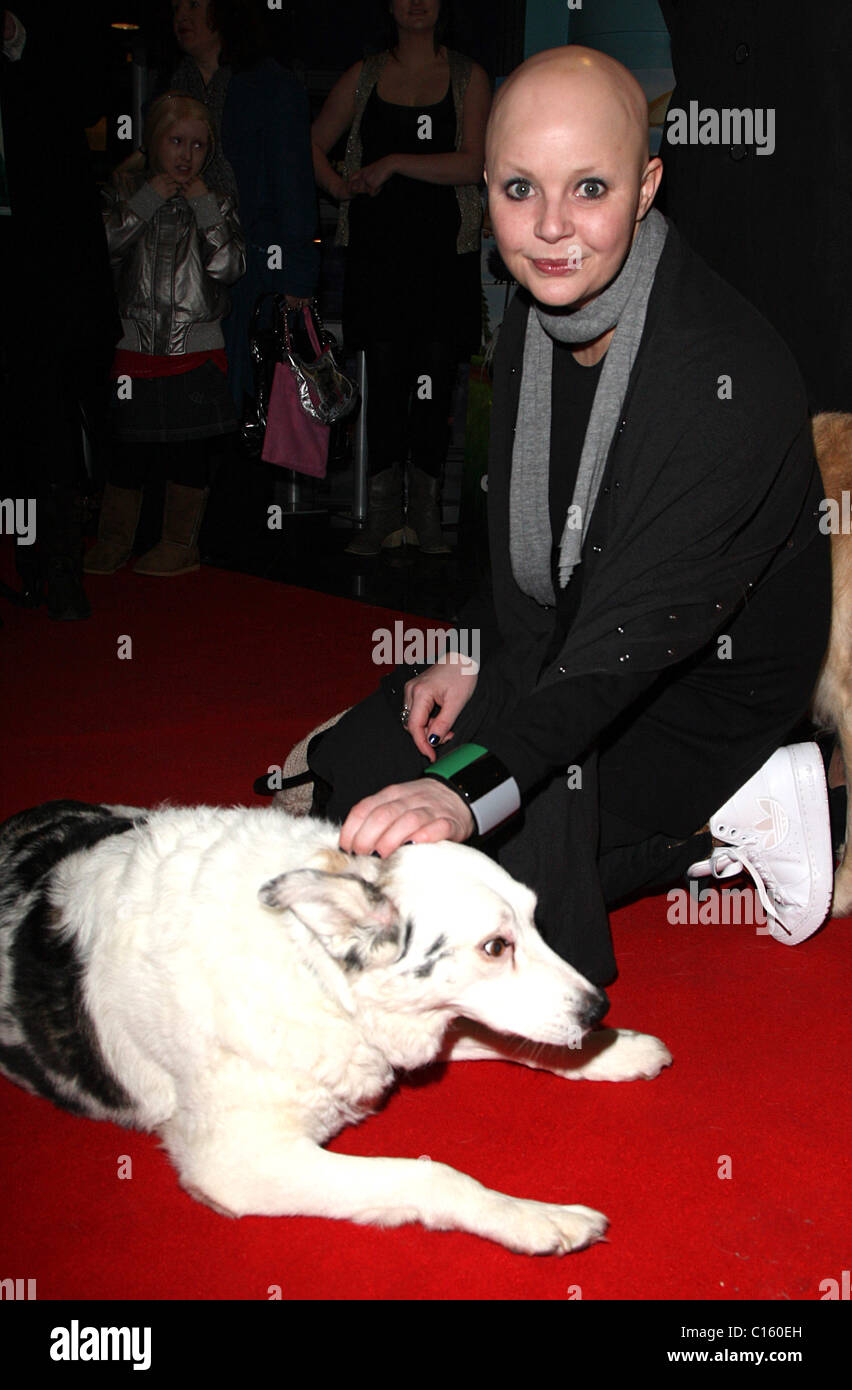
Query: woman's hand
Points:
[450, 684]
[372, 178]
[196, 188]
[165, 185]
[421, 812]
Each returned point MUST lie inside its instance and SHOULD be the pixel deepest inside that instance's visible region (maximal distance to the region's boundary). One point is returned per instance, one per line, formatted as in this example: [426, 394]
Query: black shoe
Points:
[29, 595]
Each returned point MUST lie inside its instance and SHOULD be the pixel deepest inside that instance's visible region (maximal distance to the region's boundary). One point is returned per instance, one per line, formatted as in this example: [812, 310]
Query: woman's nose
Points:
[554, 222]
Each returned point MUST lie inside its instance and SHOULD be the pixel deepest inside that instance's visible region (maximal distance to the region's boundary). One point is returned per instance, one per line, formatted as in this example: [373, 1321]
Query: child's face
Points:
[182, 149]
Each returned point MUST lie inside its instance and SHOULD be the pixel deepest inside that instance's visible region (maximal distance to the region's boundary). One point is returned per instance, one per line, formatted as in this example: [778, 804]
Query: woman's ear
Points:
[649, 185]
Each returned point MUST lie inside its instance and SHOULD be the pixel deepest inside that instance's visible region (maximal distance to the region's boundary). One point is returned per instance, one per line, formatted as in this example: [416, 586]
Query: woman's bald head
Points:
[562, 85]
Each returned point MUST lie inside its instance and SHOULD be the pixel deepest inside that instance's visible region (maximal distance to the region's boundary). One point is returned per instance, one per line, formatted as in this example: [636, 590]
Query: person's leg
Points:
[43, 441]
[129, 468]
[431, 406]
[187, 470]
[699, 757]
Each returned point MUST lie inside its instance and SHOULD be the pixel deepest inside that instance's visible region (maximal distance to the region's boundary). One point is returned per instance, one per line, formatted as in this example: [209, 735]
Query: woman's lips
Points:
[561, 267]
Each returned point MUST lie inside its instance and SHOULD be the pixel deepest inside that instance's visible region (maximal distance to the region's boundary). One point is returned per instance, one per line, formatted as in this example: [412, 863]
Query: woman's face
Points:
[566, 191]
[415, 15]
[194, 35]
[182, 150]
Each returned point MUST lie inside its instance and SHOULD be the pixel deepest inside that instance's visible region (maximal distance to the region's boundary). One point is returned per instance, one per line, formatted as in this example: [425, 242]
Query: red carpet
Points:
[226, 673]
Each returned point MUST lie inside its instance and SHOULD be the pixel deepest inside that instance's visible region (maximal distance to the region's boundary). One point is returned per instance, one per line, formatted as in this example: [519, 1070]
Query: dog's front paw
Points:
[542, 1228]
[619, 1054]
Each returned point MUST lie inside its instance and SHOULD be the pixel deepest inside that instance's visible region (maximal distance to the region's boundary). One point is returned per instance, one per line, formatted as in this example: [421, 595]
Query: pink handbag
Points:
[293, 438]
[306, 397]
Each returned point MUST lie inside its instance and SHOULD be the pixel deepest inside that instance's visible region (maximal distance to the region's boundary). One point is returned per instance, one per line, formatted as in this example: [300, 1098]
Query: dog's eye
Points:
[496, 946]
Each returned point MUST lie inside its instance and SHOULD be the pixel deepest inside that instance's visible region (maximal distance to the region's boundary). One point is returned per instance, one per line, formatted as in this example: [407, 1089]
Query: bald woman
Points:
[661, 585]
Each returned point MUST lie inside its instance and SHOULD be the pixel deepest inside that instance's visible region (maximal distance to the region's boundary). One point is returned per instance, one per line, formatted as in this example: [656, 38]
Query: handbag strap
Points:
[313, 325]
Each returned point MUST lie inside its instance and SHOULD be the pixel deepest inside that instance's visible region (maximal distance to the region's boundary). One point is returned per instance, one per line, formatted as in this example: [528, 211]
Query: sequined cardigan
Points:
[467, 194]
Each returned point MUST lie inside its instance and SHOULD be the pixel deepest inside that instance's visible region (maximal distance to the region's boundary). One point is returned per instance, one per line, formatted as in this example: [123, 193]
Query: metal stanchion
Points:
[359, 483]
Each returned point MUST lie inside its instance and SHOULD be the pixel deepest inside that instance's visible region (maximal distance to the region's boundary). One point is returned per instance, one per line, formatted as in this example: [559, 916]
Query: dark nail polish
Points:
[434, 739]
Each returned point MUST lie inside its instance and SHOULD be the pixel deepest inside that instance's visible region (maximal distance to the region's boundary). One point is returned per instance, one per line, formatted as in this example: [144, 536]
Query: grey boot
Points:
[177, 552]
[384, 528]
[424, 513]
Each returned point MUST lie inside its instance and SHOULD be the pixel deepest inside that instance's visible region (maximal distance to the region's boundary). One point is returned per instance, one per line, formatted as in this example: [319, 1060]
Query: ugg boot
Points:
[117, 523]
[384, 528]
[176, 552]
[424, 513]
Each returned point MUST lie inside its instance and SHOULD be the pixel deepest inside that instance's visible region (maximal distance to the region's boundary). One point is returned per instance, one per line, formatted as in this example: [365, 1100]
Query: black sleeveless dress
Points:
[404, 277]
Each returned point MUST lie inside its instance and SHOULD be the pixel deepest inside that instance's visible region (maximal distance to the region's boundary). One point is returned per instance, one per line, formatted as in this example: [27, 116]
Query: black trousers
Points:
[634, 822]
[409, 399]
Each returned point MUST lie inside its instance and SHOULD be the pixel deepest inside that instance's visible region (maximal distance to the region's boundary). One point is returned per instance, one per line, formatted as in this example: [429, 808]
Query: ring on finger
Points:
[406, 711]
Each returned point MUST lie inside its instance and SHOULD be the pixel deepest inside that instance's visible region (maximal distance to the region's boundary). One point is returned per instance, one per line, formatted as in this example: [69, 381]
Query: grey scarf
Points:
[622, 305]
[217, 173]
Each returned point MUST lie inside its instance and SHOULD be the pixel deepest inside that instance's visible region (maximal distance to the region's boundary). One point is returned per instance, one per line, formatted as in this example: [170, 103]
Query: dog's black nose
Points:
[596, 1006]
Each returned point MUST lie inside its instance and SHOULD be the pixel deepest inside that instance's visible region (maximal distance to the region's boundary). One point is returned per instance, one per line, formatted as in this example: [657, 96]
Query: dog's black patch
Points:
[44, 989]
[437, 944]
[352, 960]
[42, 837]
[425, 970]
[50, 1009]
[20, 1066]
[409, 931]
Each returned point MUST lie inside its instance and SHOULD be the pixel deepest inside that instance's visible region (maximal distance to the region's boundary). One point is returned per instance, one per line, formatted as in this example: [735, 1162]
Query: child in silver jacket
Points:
[175, 247]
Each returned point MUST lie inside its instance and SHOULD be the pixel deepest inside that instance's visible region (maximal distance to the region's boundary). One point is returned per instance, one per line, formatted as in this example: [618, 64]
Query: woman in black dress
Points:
[410, 218]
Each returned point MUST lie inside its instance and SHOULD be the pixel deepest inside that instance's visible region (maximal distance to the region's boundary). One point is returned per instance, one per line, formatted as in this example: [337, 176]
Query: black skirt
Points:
[191, 405]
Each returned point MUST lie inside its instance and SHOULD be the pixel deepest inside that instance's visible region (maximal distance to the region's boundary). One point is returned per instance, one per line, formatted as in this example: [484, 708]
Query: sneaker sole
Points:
[812, 799]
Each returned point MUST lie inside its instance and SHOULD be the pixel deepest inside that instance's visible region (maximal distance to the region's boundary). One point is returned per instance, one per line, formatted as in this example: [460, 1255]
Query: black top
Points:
[710, 489]
[404, 278]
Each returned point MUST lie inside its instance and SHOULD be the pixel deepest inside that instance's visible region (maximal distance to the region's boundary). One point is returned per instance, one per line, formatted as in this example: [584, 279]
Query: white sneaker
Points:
[777, 828]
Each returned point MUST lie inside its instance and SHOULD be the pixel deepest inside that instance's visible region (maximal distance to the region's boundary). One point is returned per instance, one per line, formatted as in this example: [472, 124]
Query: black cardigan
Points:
[710, 488]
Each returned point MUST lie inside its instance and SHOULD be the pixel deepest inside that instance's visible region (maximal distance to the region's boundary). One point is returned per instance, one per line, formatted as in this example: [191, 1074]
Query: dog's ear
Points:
[356, 922]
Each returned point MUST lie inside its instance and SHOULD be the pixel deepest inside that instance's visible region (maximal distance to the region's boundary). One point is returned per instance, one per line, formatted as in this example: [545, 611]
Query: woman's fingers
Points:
[424, 812]
[420, 700]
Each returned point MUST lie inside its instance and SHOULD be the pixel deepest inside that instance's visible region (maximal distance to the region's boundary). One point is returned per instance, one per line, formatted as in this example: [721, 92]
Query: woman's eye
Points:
[592, 188]
[518, 189]
[496, 946]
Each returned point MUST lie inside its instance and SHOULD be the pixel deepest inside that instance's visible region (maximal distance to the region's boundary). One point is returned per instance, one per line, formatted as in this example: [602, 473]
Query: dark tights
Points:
[186, 462]
[398, 418]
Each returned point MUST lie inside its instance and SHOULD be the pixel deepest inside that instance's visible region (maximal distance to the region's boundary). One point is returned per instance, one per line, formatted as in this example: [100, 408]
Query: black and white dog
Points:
[234, 981]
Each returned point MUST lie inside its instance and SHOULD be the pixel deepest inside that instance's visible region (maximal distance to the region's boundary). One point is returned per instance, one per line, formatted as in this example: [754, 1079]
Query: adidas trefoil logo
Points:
[775, 823]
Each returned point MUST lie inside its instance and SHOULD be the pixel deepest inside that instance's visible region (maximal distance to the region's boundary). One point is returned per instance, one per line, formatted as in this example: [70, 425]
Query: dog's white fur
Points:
[254, 990]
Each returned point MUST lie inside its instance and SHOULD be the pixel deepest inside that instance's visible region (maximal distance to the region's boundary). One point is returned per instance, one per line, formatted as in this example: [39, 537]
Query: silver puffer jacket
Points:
[172, 261]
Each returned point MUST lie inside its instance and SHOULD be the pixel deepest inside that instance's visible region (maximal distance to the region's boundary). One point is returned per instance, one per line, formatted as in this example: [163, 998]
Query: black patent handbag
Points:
[325, 392]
